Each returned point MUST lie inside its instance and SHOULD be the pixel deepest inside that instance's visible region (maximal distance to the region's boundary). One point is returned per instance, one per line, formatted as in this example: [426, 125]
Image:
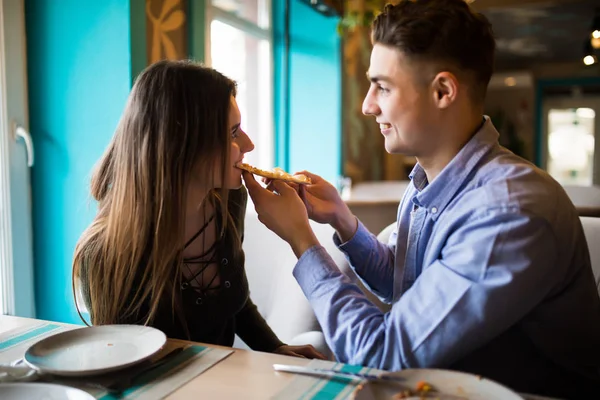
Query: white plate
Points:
[450, 385]
[45, 391]
[94, 350]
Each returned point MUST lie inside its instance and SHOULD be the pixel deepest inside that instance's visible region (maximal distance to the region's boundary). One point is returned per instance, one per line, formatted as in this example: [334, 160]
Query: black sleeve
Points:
[251, 327]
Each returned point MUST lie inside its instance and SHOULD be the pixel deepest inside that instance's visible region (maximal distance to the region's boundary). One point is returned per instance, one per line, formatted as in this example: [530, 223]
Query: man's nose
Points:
[369, 106]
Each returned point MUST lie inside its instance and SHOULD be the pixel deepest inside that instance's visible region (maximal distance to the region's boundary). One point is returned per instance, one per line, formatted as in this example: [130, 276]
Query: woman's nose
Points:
[248, 146]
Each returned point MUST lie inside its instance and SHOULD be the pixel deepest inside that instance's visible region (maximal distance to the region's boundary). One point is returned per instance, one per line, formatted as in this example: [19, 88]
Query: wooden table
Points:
[242, 375]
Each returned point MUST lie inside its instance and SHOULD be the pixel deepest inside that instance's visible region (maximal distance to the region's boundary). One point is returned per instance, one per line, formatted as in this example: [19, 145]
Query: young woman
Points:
[165, 247]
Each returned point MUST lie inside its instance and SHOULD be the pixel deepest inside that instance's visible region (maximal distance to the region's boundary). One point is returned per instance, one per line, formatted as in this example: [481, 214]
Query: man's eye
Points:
[382, 89]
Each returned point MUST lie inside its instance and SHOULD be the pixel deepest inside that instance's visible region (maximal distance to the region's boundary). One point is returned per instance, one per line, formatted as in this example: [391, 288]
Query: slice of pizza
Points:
[275, 173]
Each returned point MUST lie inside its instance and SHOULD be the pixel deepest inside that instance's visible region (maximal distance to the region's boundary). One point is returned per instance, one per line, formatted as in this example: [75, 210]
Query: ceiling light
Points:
[589, 56]
[595, 29]
[589, 60]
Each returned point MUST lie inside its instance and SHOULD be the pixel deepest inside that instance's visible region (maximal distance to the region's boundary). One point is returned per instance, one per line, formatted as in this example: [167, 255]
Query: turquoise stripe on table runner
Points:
[335, 388]
[317, 384]
[27, 335]
[144, 380]
[304, 387]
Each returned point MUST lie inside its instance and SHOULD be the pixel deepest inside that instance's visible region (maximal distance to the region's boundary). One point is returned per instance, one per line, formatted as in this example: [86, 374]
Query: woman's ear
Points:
[445, 89]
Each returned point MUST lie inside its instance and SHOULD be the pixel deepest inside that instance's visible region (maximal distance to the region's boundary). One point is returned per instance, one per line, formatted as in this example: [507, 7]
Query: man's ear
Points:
[445, 89]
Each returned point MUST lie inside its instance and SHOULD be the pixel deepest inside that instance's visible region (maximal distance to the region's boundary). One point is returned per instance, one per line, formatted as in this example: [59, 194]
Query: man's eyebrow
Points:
[378, 78]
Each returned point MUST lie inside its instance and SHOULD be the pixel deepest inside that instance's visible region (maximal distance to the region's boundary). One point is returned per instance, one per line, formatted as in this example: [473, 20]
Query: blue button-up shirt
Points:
[488, 271]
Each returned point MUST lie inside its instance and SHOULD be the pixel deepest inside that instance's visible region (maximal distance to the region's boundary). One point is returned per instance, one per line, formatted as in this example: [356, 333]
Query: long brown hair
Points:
[175, 122]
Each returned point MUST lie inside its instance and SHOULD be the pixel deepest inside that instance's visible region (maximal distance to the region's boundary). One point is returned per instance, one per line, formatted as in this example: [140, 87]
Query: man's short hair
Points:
[444, 32]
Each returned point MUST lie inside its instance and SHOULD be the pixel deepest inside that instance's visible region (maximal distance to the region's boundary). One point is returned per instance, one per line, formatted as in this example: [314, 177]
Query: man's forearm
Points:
[345, 225]
[303, 242]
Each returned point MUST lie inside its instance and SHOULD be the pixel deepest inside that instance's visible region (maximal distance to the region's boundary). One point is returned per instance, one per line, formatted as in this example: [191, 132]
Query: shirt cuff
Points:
[360, 236]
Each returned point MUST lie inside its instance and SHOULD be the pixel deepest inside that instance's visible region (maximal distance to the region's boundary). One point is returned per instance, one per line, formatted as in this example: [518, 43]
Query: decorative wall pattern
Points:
[361, 141]
[364, 155]
[166, 29]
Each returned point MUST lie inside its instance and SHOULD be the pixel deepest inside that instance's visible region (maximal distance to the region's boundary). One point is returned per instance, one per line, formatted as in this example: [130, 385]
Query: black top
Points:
[214, 316]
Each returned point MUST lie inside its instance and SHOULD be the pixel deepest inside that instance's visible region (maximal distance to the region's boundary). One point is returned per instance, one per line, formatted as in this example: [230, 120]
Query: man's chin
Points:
[394, 148]
[398, 148]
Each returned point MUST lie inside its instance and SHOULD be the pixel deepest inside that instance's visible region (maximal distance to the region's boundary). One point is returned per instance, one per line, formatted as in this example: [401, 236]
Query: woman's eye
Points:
[235, 132]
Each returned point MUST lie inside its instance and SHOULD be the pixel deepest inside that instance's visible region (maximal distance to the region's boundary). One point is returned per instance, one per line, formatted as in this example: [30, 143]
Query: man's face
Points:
[399, 98]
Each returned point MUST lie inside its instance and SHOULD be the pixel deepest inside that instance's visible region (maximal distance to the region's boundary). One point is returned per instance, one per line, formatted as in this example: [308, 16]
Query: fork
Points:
[338, 374]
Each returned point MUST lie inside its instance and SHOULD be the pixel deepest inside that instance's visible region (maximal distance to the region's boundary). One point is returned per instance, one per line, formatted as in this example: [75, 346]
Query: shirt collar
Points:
[436, 195]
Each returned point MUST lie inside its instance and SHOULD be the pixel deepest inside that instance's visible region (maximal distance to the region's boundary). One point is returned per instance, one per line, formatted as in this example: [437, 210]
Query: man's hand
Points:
[284, 213]
[324, 205]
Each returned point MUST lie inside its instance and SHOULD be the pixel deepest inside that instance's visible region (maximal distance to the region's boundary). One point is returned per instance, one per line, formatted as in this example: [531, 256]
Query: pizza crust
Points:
[276, 173]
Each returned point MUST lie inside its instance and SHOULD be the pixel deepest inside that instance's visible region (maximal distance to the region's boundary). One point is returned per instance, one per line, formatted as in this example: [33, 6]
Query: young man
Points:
[488, 269]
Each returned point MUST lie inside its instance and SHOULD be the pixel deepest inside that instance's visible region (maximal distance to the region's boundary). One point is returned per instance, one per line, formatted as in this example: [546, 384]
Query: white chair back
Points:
[273, 288]
[591, 228]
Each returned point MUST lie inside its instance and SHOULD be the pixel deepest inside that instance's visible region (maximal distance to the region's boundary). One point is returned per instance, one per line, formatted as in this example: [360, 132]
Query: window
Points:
[239, 45]
[571, 145]
[16, 156]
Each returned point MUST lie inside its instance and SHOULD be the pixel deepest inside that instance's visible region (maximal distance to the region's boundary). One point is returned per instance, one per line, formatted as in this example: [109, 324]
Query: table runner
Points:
[154, 384]
[305, 387]
[312, 388]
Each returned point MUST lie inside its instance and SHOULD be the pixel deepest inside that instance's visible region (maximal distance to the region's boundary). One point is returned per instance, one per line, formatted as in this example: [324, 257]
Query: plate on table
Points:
[444, 384]
[95, 350]
[45, 391]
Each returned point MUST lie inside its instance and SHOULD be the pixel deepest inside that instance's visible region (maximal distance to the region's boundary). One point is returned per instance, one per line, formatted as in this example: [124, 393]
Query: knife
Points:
[330, 373]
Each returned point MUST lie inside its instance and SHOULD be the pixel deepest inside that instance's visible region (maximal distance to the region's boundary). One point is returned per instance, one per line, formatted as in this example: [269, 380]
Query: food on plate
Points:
[423, 386]
[423, 390]
[275, 173]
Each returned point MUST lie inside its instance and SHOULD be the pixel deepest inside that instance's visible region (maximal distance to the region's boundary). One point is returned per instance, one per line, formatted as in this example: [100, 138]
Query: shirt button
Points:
[224, 261]
[433, 210]
[199, 301]
[227, 284]
[184, 285]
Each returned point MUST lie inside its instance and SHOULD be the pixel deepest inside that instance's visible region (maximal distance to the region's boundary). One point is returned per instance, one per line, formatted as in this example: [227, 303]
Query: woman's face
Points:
[240, 145]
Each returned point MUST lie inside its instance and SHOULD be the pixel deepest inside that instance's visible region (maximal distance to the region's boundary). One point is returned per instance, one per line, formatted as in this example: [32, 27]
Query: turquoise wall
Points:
[281, 95]
[311, 136]
[82, 59]
[79, 72]
[196, 34]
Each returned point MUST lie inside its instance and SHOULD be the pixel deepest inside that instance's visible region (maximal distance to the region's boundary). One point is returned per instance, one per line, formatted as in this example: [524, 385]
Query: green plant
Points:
[359, 14]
